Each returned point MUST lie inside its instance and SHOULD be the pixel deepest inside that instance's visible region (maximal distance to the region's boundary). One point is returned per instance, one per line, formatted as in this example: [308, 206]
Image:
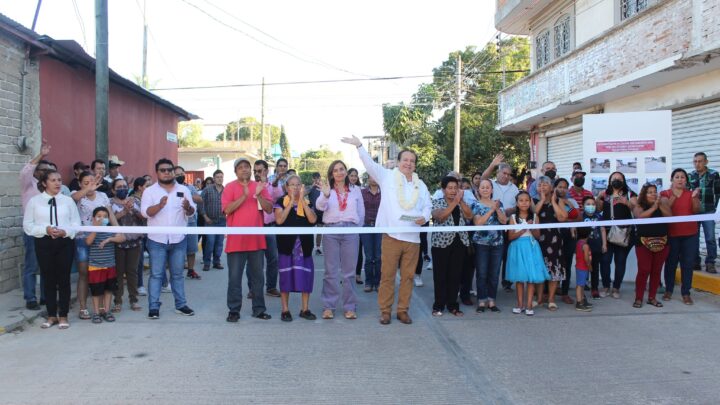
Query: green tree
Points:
[285, 145]
[317, 160]
[247, 128]
[190, 135]
[415, 124]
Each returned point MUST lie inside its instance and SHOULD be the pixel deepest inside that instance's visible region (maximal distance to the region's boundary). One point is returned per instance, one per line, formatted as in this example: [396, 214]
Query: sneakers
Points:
[604, 293]
[368, 288]
[233, 317]
[154, 314]
[615, 293]
[167, 289]
[429, 266]
[418, 281]
[142, 291]
[308, 315]
[697, 267]
[193, 275]
[206, 267]
[426, 258]
[218, 266]
[286, 316]
[587, 304]
[710, 268]
[580, 306]
[185, 311]
[318, 251]
[566, 299]
[529, 312]
[272, 292]
[32, 305]
[595, 294]
[517, 310]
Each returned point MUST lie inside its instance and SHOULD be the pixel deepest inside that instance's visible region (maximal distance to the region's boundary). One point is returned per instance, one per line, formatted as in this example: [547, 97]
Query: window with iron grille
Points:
[542, 49]
[629, 8]
[562, 36]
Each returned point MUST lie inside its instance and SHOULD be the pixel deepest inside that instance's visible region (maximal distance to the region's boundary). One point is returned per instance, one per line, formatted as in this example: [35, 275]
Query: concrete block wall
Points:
[12, 54]
[654, 35]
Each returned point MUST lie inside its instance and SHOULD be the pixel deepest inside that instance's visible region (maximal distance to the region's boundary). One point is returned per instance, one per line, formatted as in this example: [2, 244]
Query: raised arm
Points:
[491, 168]
[373, 168]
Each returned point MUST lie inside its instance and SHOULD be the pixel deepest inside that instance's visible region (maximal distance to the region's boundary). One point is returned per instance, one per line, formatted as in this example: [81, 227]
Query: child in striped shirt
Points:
[102, 276]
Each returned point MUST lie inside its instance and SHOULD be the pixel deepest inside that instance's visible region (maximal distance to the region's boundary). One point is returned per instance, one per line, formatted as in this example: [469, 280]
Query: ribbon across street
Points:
[279, 230]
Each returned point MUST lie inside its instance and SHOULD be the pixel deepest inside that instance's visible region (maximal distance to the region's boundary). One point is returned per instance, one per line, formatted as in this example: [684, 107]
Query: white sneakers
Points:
[418, 281]
[142, 291]
[167, 289]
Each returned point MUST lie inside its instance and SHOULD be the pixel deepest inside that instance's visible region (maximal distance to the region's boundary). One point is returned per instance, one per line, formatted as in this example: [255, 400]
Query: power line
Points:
[222, 86]
[80, 21]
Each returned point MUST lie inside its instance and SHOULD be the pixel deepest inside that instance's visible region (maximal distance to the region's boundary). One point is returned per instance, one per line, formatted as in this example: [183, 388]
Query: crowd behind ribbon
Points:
[464, 263]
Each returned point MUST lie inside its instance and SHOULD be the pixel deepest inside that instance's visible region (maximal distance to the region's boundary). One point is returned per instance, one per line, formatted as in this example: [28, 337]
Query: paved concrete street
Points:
[614, 355]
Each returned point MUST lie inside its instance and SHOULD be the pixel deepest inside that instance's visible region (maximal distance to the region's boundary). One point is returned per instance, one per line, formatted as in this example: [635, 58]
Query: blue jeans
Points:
[710, 244]
[487, 262]
[236, 267]
[161, 253]
[271, 262]
[372, 243]
[191, 241]
[213, 246]
[682, 249]
[30, 271]
[141, 262]
[620, 254]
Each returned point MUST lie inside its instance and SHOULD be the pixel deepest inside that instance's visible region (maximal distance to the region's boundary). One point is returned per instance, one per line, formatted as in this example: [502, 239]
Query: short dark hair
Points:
[79, 165]
[261, 162]
[578, 164]
[164, 161]
[447, 180]
[587, 197]
[406, 150]
[583, 232]
[179, 167]
[83, 175]
[218, 171]
[679, 170]
[114, 182]
[282, 160]
[561, 179]
[95, 163]
[100, 209]
[700, 154]
[44, 178]
[316, 175]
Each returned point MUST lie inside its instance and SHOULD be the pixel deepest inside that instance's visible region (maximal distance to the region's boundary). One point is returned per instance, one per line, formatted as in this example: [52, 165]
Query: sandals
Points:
[457, 312]
[655, 303]
[49, 323]
[552, 306]
[116, 308]
[480, 309]
[286, 316]
[494, 308]
[63, 325]
[135, 307]
[328, 314]
[96, 318]
[667, 296]
[108, 317]
[84, 314]
[637, 304]
[350, 315]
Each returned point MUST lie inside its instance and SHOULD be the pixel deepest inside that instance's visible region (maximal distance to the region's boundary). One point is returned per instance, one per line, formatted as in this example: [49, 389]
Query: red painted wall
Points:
[137, 126]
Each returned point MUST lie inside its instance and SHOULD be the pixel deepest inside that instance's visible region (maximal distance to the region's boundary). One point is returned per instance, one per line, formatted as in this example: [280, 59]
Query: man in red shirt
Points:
[240, 202]
[577, 192]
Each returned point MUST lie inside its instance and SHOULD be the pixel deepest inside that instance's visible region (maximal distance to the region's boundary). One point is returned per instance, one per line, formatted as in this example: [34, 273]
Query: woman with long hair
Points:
[342, 206]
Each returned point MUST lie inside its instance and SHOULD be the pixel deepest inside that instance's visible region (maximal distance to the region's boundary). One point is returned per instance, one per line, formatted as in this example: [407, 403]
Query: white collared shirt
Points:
[172, 214]
[37, 215]
[390, 211]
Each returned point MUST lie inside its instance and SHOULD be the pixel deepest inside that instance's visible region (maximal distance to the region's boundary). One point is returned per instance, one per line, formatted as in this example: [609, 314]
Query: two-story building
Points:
[608, 56]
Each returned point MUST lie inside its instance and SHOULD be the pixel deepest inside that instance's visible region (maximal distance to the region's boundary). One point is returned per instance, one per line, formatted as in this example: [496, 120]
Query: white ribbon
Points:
[279, 230]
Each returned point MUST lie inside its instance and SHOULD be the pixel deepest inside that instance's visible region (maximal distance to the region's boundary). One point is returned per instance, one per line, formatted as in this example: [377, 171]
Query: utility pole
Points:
[101, 79]
[144, 56]
[456, 152]
[502, 60]
[262, 121]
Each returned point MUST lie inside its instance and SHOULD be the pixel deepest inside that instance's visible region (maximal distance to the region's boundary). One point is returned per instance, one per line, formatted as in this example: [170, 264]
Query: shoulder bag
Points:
[618, 235]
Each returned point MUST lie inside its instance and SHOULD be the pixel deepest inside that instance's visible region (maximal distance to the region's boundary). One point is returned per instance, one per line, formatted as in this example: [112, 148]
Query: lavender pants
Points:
[340, 253]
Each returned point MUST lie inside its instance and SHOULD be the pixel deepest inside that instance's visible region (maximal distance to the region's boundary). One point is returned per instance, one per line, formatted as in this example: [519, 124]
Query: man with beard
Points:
[167, 203]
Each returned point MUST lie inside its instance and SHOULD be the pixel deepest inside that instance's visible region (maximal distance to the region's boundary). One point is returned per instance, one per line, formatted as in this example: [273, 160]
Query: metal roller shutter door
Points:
[564, 150]
[697, 129]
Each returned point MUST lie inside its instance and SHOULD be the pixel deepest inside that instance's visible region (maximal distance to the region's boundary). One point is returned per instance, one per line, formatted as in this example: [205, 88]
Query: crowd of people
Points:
[464, 263]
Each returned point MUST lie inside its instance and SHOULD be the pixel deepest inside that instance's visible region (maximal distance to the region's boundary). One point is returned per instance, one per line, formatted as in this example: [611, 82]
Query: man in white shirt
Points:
[167, 203]
[408, 205]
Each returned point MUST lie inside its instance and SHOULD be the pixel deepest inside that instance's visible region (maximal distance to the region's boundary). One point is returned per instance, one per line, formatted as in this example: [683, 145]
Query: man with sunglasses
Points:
[167, 203]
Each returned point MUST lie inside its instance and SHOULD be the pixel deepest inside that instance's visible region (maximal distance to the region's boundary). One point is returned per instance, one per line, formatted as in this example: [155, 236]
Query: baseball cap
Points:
[240, 160]
[578, 171]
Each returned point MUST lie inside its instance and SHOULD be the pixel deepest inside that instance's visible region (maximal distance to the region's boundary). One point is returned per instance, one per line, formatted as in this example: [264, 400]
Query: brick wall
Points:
[654, 35]
[11, 160]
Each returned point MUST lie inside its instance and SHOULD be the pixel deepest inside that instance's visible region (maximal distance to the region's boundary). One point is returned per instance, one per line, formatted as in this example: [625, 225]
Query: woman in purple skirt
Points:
[295, 263]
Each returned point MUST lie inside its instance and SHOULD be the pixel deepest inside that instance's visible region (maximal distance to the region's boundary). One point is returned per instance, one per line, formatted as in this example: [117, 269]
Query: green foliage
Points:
[413, 125]
[306, 178]
[285, 145]
[190, 135]
[317, 160]
[247, 128]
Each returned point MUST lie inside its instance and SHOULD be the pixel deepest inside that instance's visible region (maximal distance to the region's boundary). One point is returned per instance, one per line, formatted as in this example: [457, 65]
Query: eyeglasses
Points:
[166, 170]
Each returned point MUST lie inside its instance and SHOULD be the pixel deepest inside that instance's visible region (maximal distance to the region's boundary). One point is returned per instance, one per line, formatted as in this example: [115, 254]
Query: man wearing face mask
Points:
[577, 191]
[548, 169]
[192, 240]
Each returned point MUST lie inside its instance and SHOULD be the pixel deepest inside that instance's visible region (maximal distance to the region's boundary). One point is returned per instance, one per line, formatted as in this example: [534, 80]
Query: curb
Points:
[703, 281]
